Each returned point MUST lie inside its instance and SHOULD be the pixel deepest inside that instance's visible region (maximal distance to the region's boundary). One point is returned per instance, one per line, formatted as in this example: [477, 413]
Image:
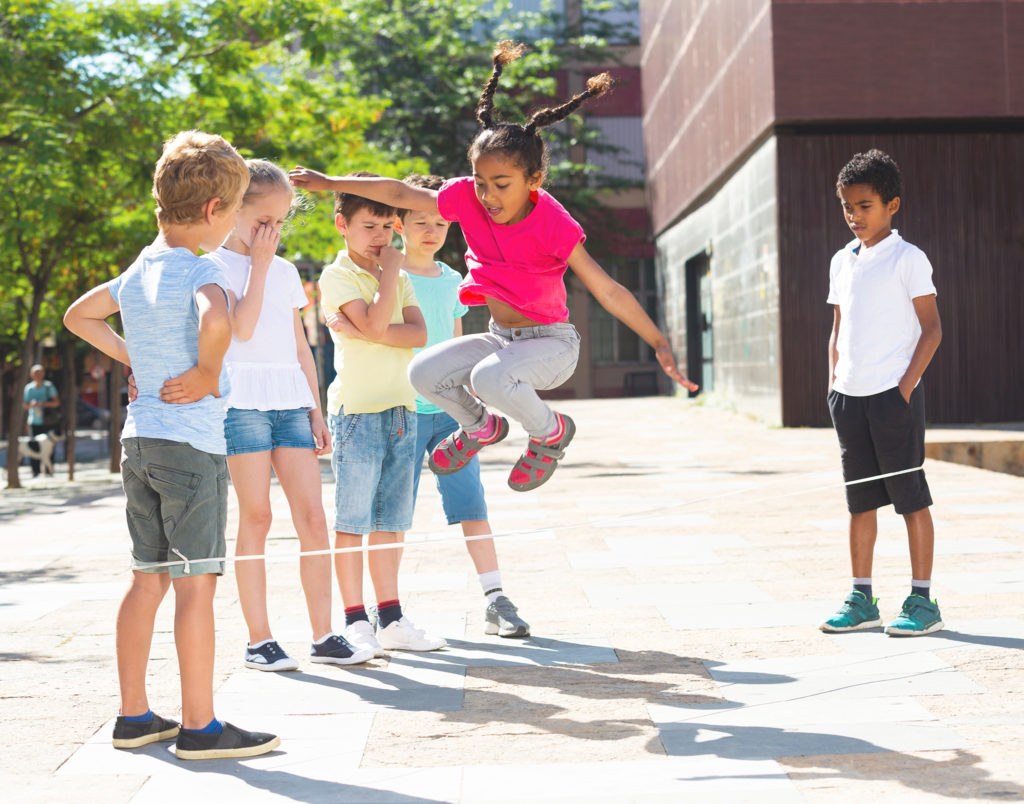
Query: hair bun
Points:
[598, 85]
[507, 51]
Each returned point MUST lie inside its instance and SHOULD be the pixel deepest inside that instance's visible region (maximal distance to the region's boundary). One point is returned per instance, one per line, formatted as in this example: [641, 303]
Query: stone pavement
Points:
[674, 572]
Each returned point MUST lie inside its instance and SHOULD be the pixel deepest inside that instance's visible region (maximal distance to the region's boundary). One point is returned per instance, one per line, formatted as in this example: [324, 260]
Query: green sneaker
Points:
[919, 616]
[856, 614]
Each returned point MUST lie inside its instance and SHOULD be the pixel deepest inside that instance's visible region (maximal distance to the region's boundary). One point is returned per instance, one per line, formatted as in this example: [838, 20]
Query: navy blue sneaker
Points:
[231, 742]
[338, 650]
[133, 733]
[269, 656]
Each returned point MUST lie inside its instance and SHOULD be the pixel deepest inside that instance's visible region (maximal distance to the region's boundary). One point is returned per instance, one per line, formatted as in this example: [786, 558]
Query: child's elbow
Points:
[242, 333]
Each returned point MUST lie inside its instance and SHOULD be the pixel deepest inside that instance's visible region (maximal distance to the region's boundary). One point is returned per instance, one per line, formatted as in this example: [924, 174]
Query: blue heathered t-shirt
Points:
[438, 297]
[157, 297]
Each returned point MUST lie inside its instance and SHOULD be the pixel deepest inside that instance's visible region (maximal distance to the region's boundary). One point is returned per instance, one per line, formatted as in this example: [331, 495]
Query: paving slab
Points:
[674, 594]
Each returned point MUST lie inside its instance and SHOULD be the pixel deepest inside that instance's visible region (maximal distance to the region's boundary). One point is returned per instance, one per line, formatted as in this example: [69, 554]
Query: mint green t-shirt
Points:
[438, 297]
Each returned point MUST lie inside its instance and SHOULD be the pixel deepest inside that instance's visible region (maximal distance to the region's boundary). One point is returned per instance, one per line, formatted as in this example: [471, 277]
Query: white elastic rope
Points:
[331, 551]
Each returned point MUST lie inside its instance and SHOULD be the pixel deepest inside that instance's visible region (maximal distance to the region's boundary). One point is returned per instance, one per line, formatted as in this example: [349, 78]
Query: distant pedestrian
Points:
[885, 331]
[39, 395]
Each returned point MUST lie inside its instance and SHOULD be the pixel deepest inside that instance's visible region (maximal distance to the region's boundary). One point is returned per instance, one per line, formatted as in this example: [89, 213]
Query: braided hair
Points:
[522, 143]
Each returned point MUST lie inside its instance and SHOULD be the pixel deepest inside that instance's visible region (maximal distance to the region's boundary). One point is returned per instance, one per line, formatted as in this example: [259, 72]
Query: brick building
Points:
[750, 109]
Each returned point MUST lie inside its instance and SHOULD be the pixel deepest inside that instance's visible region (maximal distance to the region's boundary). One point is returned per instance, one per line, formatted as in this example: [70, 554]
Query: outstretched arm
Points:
[86, 318]
[622, 304]
[392, 192]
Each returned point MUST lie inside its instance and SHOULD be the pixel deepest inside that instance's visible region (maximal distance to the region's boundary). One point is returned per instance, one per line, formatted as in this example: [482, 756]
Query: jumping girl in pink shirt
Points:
[520, 241]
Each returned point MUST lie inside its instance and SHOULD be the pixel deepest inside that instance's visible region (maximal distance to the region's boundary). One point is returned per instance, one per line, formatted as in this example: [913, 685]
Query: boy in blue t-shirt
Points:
[173, 307]
[885, 331]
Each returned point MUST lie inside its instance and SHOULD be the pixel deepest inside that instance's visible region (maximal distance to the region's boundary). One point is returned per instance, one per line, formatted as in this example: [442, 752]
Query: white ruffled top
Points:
[264, 371]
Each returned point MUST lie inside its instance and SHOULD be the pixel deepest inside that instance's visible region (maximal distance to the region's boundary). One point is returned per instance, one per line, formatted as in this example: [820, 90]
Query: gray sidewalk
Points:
[674, 573]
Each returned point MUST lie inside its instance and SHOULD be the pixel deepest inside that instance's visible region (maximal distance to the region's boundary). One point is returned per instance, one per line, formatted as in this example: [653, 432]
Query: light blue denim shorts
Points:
[265, 430]
[462, 493]
[373, 470]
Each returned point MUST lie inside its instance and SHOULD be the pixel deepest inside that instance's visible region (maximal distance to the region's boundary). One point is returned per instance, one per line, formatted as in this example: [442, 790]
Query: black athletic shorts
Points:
[878, 434]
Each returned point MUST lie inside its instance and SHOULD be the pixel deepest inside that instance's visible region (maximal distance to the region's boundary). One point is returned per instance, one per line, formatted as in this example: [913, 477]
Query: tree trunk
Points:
[16, 419]
[70, 399]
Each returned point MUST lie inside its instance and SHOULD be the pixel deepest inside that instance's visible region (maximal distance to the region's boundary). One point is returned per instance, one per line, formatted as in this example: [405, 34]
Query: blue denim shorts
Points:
[265, 430]
[462, 494]
[373, 468]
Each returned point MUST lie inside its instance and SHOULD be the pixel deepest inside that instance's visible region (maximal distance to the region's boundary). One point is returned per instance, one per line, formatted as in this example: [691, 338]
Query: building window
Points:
[625, 159]
[610, 340]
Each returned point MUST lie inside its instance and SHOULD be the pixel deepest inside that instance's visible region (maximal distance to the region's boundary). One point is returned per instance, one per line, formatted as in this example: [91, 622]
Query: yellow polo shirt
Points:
[371, 377]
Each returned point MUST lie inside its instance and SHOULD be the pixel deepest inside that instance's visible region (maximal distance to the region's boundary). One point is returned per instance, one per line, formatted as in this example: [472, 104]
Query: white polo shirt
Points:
[878, 328]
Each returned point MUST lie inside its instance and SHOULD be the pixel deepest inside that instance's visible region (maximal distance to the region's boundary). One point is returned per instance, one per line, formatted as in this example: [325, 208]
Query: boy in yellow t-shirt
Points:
[371, 407]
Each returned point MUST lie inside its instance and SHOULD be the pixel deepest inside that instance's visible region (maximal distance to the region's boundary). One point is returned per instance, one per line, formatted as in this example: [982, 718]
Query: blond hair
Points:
[194, 168]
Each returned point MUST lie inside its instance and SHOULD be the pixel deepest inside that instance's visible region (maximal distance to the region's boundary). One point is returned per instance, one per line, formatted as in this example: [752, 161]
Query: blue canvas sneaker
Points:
[856, 614]
[919, 616]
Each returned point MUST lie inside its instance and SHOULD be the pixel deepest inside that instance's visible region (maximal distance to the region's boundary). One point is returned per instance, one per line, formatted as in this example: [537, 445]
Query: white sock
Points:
[490, 582]
[255, 645]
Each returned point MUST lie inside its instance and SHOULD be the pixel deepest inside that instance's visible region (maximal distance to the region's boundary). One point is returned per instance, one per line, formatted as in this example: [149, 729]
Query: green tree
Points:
[89, 94]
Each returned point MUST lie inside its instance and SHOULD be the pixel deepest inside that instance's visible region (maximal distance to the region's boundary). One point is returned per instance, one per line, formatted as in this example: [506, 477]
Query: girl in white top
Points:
[274, 420]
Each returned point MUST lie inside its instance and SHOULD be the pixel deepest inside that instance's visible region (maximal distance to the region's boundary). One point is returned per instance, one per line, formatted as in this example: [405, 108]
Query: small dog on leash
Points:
[40, 448]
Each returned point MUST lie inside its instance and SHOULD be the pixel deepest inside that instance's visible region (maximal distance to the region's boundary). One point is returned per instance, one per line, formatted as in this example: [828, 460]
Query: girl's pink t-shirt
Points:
[521, 264]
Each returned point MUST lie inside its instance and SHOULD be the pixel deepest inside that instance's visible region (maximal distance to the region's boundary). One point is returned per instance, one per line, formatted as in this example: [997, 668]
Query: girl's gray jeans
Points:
[504, 368]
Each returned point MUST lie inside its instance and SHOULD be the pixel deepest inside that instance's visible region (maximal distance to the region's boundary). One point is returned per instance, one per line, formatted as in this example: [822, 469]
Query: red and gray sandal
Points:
[538, 463]
[458, 449]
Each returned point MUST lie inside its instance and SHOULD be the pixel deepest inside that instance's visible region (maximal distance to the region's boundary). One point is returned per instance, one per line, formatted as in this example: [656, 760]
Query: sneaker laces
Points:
[272, 650]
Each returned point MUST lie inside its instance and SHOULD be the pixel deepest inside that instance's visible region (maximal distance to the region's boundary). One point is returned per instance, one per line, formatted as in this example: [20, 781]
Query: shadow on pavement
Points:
[1014, 643]
[959, 777]
[292, 786]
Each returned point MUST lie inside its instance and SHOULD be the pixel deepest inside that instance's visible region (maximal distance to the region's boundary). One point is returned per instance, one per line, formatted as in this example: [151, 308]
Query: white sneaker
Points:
[403, 635]
[360, 634]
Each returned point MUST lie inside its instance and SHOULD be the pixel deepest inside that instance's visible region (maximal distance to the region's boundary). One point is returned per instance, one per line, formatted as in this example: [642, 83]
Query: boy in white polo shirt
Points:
[885, 331]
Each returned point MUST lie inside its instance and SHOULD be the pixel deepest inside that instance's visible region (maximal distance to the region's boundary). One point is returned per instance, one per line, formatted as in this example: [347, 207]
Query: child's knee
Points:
[195, 588]
[490, 381]
[256, 516]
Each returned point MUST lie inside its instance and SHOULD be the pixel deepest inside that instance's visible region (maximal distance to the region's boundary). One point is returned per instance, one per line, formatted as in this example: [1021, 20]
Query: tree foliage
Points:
[91, 90]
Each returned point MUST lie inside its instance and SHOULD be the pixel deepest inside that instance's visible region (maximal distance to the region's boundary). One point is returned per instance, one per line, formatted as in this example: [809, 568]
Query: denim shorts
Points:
[462, 493]
[177, 506]
[373, 468]
[878, 434]
[265, 430]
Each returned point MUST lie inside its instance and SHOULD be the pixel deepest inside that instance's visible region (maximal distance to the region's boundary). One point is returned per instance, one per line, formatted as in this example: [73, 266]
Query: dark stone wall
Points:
[963, 204]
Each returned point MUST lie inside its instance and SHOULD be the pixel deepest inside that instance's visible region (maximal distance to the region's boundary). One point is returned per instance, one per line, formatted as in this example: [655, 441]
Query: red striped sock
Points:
[389, 611]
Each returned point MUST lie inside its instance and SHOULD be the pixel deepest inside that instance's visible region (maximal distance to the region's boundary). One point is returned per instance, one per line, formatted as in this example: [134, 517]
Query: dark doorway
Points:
[699, 345]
